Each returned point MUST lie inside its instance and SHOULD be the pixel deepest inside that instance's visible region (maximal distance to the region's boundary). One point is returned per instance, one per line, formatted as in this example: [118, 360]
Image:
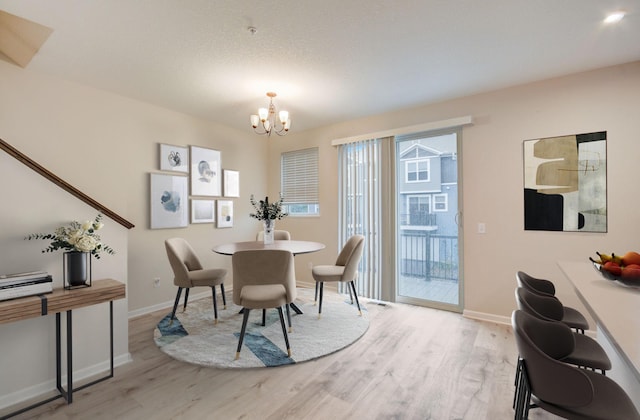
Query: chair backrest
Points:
[548, 308]
[278, 235]
[349, 257]
[263, 266]
[536, 285]
[550, 380]
[183, 259]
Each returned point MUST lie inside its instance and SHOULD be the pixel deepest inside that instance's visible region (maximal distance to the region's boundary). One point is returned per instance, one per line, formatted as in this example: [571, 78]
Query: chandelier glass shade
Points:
[265, 122]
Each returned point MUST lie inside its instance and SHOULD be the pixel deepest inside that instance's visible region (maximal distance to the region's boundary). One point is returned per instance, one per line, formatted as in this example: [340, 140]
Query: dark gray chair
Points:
[560, 388]
[570, 316]
[570, 347]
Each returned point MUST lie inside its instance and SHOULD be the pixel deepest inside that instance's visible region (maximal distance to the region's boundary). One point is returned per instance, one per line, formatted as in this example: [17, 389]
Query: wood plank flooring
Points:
[413, 363]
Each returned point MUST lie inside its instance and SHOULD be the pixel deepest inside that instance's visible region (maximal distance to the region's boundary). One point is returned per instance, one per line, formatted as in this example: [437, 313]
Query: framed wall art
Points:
[565, 183]
[174, 158]
[205, 172]
[169, 201]
[225, 213]
[231, 183]
[203, 211]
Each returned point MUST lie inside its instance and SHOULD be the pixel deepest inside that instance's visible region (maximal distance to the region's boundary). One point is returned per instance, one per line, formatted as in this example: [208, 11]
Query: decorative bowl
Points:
[622, 281]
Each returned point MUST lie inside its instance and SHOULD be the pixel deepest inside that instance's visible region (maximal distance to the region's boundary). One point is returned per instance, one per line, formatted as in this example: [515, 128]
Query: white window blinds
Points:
[300, 176]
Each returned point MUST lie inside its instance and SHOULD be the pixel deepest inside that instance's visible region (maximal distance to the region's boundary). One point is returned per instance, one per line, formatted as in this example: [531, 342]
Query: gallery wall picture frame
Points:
[174, 158]
[206, 178]
[169, 201]
[203, 211]
[231, 183]
[225, 213]
[565, 183]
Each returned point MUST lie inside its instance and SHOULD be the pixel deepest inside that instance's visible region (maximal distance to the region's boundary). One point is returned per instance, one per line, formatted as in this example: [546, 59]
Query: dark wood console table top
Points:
[61, 300]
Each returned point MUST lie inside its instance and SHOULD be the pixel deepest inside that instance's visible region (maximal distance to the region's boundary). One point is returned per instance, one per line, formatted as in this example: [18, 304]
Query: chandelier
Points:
[265, 122]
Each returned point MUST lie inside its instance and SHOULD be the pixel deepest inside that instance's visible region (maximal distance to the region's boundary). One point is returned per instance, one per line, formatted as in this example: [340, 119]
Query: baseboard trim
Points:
[48, 387]
[483, 316]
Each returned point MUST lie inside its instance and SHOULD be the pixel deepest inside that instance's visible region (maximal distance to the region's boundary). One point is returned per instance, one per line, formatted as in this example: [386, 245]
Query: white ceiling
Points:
[328, 60]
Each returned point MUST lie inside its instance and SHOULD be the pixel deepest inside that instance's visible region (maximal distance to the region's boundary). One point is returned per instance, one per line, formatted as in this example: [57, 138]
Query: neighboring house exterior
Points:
[427, 211]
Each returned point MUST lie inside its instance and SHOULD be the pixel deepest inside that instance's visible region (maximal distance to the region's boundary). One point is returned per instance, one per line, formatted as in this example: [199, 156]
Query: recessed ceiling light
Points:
[614, 17]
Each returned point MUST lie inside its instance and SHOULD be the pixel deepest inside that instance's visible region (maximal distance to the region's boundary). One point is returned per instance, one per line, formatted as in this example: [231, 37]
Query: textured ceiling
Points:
[329, 61]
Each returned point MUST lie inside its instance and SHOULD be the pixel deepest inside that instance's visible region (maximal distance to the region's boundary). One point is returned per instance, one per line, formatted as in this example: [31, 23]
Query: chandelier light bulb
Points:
[264, 114]
[255, 120]
[614, 17]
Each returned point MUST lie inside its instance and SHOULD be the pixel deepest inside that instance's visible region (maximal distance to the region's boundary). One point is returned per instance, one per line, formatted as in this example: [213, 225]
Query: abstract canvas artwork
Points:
[565, 183]
[169, 201]
[205, 171]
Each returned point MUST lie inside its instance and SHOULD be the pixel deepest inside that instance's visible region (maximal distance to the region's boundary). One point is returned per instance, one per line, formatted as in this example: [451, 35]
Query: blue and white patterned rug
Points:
[194, 338]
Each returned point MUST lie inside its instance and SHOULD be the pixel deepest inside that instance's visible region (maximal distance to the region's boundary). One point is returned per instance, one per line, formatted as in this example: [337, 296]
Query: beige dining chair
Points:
[345, 269]
[188, 273]
[561, 388]
[263, 279]
[278, 235]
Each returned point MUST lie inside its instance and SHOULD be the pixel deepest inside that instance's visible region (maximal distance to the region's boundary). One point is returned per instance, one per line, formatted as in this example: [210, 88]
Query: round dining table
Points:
[295, 247]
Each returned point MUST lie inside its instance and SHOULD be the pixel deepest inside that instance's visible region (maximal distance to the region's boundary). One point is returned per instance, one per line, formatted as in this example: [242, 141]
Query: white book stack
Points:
[25, 284]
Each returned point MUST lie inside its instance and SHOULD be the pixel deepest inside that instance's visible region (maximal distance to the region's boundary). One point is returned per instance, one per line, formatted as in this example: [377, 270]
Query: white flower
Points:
[74, 236]
[86, 244]
[98, 225]
[87, 225]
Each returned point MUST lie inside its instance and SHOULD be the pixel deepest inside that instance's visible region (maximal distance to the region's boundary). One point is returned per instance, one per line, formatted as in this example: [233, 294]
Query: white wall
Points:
[492, 178]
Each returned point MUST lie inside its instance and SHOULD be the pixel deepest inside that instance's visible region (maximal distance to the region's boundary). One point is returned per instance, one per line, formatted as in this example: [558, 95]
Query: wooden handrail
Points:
[63, 184]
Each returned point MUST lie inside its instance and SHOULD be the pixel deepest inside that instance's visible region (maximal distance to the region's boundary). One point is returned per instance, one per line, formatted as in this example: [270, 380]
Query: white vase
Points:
[269, 226]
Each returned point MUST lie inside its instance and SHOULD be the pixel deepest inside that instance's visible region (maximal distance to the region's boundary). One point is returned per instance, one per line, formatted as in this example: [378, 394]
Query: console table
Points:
[62, 300]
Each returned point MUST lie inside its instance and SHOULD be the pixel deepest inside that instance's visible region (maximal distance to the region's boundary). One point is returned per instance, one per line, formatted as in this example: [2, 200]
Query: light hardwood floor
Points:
[413, 363]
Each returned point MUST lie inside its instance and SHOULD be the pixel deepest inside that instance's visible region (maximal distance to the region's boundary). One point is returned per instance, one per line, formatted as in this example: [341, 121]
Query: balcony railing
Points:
[424, 254]
[418, 219]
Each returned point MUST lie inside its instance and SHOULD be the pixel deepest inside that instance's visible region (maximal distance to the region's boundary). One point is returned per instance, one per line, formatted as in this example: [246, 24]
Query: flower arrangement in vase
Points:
[78, 237]
[79, 241]
[267, 213]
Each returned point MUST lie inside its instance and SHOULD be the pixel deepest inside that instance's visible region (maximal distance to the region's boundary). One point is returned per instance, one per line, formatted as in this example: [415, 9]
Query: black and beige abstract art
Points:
[565, 183]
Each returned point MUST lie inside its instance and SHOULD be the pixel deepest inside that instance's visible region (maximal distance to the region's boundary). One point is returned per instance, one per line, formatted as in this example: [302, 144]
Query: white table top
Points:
[295, 247]
[616, 309]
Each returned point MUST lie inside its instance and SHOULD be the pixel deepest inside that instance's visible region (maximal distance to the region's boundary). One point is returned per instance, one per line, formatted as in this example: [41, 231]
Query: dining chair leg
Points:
[320, 304]
[264, 317]
[353, 286]
[315, 298]
[289, 318]
[245, 318]
[175, 305]
[224, 298]
[186, 298]
[284, 330]
[516, 382]
[215, 305]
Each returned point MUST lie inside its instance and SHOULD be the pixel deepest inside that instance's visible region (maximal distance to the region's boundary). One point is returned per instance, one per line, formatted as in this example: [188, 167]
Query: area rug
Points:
[193, 337]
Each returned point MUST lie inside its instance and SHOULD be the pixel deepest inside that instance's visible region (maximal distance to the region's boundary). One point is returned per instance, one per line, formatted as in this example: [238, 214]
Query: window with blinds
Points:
[299, 180]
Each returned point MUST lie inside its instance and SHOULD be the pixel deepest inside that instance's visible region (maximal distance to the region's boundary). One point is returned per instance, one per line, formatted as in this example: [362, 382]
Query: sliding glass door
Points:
[427, 213]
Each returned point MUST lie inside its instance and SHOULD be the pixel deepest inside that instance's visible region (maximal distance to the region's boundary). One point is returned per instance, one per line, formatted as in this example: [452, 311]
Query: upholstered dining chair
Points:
[344, 270]
[263, 279]
[580, 349]
[570, 316]
[188, 273]
[278, 235]
[560, 388]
